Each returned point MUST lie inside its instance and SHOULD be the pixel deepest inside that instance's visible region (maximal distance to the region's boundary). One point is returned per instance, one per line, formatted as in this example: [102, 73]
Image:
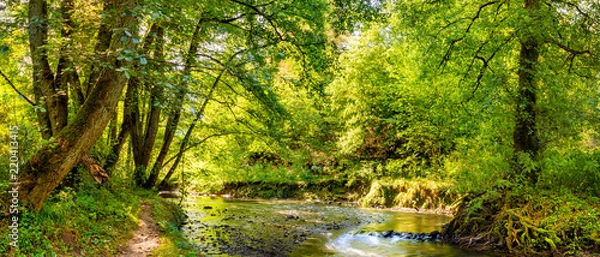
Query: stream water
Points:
[234, 227]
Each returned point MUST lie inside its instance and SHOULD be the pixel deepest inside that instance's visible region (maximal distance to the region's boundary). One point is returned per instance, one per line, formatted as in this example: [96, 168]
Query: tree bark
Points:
[156, 94]
[525, 134]
[43, 78]
[175, 114]
[49, 166]
[102, 44]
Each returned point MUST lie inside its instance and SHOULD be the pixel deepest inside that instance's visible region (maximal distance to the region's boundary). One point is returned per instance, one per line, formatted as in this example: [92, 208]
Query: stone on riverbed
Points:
[388, 233]
[425, 237]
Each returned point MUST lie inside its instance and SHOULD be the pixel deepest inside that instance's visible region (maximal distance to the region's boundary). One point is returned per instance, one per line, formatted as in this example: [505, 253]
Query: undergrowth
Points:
[92, 220]
[528, 221]
[410, 193]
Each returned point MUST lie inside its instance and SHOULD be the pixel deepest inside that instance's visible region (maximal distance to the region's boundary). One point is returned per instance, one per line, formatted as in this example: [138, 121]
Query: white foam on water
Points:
[358, 245]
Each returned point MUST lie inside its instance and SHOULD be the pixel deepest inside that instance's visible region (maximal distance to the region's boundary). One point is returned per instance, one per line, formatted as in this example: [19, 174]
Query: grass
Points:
[93, 221]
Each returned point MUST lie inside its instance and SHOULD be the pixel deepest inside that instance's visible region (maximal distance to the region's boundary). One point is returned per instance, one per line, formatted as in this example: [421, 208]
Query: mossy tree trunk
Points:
[525, 137]
[49, 166]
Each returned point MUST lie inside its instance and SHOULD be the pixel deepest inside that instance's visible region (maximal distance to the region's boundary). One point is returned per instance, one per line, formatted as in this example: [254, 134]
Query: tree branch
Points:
[446, 56]
[15, 88]
[190, 146]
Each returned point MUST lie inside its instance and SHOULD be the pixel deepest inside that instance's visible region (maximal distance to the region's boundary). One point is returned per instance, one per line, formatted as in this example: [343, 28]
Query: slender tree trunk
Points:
[175, 114]
[43, 78]
[115, 152]
[187, 136]
[141, 138]
[525, 133]
[102, 44]
[156, 95]
[125, 131]
[134, 113]
[49, 166]
[112, 131]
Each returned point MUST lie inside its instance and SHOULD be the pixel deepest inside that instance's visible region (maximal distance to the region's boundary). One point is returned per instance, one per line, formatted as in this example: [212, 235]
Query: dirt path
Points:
[145, 238]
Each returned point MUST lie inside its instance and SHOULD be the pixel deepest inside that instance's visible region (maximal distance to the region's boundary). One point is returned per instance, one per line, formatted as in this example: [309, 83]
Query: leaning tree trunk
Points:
[49, 166]
[187, 137]
[525, 133]
[51, 91]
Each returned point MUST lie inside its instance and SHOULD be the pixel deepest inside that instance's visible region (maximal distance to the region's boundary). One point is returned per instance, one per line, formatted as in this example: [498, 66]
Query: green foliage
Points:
[574, 170]
[95, 219]
[394, 96]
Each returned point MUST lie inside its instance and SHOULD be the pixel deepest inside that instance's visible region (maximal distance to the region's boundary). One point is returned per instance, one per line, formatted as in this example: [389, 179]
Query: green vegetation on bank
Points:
[87, 220]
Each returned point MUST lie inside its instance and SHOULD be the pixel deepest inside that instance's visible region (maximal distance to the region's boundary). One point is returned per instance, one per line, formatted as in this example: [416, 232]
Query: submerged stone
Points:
[388, 233]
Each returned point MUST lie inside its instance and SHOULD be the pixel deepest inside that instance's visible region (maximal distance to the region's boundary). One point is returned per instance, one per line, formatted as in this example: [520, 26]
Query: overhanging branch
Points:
[15, 88]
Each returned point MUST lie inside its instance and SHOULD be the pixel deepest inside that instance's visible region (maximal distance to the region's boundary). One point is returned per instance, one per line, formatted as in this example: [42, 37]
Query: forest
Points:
[486, 111]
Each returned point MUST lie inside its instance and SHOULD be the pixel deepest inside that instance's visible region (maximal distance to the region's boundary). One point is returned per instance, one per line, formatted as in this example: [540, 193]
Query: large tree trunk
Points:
[525, 133]
[49, 166]
[51, 90]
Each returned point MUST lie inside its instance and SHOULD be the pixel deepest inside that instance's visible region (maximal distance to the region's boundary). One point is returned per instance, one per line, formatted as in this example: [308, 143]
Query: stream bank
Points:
[402, 194]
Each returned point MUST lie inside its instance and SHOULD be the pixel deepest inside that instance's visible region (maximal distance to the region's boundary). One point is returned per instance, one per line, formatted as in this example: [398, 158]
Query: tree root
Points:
[490, 221]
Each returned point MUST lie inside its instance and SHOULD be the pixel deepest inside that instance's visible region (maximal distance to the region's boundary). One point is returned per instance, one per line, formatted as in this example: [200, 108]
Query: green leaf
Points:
[4, 49]
[143, 61]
